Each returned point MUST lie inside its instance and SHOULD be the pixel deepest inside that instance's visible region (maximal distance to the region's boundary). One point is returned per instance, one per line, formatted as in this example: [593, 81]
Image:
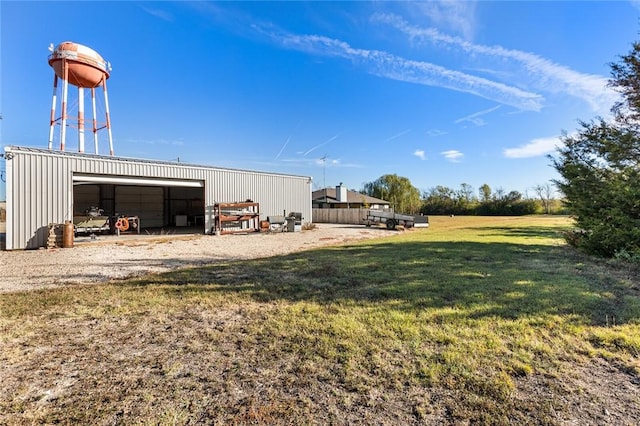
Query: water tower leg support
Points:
[80, 119]
[95, 120]
[65, 91]
[106, 106]
[52, 120]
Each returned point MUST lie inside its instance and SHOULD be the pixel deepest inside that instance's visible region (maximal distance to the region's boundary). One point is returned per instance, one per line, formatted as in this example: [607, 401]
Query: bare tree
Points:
[545, 193]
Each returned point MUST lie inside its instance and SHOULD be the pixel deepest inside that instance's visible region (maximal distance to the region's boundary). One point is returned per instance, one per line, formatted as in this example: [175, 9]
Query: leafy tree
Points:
[465, 201]
[485, 192]
[600, 170]
[466, 192]
[438, 200]
[397, 190]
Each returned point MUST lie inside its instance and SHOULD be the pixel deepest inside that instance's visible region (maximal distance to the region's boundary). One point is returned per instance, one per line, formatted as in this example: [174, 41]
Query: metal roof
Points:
[45, 151]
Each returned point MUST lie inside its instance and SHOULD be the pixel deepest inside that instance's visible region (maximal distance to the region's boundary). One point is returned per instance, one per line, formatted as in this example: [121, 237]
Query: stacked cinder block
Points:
[55, 235]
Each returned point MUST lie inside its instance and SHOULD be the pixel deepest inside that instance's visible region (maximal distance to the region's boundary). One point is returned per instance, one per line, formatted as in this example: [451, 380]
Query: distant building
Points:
[342, 198]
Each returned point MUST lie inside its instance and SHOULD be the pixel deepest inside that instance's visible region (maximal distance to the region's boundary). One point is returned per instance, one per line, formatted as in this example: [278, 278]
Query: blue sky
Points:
[442, 93]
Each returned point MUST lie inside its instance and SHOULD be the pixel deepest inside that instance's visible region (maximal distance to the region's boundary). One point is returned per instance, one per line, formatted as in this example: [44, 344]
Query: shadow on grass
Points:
[456, 279]
[541, 232]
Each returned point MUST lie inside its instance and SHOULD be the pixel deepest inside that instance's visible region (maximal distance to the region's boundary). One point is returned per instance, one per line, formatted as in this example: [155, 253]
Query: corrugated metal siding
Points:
[40, 188]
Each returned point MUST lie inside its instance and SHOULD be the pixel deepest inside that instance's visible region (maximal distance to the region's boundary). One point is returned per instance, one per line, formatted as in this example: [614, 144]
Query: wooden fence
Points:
[347, 216]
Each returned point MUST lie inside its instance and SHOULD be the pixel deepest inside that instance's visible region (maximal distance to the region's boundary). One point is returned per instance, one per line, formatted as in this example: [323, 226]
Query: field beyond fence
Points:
[475, 320]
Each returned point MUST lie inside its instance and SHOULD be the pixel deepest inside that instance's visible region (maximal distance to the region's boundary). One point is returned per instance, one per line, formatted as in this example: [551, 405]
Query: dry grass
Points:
[475, 320]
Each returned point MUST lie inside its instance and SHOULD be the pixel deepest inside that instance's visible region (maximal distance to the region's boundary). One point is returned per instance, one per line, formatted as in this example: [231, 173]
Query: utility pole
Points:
[324, 179]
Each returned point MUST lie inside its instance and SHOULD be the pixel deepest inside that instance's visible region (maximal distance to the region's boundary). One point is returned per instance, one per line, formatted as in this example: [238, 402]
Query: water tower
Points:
[84, 68]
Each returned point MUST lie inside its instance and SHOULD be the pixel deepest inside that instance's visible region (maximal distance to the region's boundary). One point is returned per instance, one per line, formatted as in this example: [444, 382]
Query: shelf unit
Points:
[236, 217]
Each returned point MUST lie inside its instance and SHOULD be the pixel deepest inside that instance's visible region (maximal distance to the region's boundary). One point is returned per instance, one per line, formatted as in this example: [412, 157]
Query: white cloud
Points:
[529, 69]
[420, 154]
[436, 132]
[452, 155]
[455, 15]
[535, 148]
[326, 161]
[390, 66]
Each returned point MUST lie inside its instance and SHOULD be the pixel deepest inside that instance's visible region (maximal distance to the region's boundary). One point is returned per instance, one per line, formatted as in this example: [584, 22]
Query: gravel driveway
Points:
[111, 257]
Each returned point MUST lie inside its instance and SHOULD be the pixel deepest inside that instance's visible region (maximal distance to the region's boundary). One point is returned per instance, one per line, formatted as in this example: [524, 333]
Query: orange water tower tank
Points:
[80, 65]
[84, 68]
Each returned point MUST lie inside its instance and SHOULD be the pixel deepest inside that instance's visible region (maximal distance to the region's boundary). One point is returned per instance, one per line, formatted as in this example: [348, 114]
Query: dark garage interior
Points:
[154, 207]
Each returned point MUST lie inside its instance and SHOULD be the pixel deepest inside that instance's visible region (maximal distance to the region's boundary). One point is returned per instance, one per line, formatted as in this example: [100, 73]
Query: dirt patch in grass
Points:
[596, 392]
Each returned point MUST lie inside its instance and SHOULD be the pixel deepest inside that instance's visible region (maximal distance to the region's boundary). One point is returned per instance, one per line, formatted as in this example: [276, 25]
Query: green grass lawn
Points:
[474, 320]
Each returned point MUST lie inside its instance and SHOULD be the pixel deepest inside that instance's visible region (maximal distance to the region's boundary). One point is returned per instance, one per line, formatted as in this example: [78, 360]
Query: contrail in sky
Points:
[318, 146]
[283, 147]
[398, 135]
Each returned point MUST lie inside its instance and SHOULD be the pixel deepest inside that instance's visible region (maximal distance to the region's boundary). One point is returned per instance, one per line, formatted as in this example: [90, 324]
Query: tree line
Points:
[442, 200]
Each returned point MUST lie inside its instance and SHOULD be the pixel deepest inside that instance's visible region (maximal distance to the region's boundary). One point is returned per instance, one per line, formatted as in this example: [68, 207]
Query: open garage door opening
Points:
[112, 204]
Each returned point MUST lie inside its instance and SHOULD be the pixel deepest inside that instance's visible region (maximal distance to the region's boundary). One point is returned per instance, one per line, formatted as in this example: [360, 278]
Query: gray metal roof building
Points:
[49, 186]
